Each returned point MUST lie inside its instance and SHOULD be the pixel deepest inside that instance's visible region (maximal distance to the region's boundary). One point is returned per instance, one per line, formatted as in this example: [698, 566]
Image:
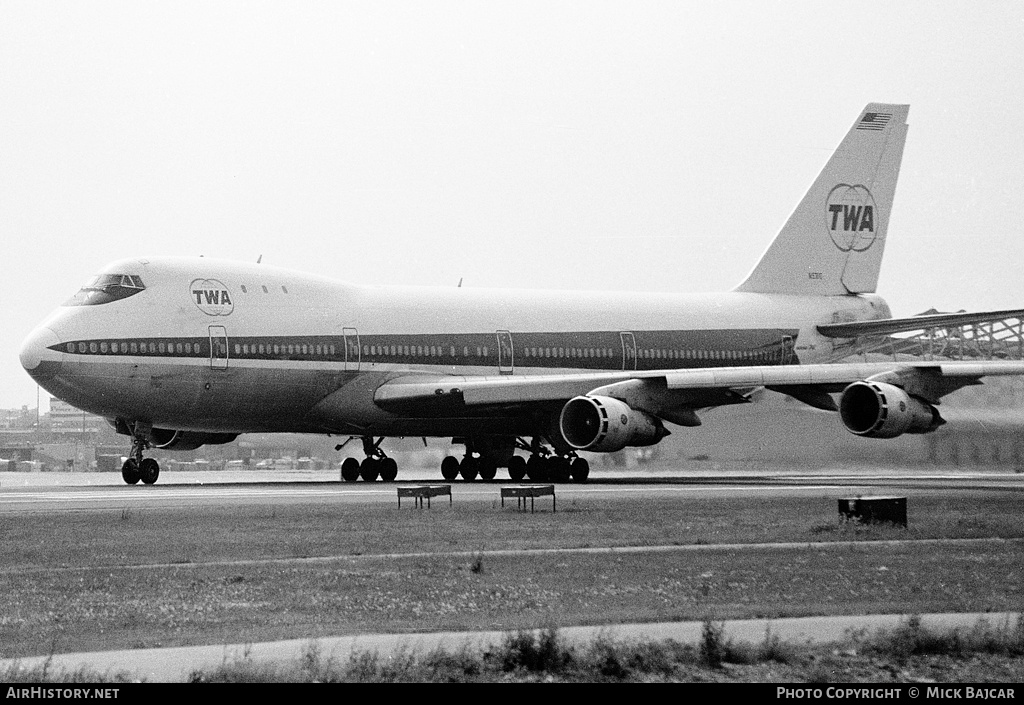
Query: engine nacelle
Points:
[605, 425]
[166, 439]
[879, 410]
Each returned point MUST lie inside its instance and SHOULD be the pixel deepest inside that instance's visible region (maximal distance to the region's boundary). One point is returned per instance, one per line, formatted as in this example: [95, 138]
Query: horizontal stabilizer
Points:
[889, 326]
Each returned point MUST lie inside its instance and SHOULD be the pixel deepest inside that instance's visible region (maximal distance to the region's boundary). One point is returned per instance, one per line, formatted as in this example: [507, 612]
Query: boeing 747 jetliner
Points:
[181, 352]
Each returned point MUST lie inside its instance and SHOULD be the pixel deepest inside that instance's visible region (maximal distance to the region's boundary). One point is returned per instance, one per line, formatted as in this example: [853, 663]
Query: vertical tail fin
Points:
[832, 244]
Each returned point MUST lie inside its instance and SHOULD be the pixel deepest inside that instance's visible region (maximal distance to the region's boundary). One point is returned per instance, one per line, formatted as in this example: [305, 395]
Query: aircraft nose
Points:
[37, 358]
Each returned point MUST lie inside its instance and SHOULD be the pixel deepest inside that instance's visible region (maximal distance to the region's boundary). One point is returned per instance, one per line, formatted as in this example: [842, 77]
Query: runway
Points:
[80, 491]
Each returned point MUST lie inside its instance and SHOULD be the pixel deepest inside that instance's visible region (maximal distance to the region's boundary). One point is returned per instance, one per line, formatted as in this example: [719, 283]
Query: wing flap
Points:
[778, 375]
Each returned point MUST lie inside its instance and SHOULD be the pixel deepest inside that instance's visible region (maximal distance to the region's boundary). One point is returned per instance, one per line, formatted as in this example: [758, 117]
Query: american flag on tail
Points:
[874, 121]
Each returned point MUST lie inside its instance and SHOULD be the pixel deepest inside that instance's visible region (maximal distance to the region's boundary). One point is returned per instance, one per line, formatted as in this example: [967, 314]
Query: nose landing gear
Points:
[136, 467]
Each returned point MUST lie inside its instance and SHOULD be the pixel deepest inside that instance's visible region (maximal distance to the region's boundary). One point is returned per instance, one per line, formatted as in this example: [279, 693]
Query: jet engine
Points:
[879, 410]
[166, 439]
[605, 425]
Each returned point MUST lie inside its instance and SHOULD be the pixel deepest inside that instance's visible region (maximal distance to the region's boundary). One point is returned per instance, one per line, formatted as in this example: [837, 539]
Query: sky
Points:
[652, 146]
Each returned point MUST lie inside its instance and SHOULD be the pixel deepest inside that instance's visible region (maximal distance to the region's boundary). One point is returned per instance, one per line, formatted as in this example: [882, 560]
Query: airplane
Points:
[178, 352]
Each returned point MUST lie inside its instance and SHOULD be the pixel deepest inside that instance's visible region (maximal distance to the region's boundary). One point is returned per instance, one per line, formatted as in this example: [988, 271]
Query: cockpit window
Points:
[104, 288]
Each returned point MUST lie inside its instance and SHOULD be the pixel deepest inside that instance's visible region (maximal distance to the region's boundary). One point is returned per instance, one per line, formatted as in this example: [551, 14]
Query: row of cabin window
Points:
[438, 351]
[265, 290]
[569, 353]
[134, 348]
[650, 353]
[188, 348]
[579, 353]
[481, 351]
[287, 349]
[368, 350]
[422, 350]
[663, 354]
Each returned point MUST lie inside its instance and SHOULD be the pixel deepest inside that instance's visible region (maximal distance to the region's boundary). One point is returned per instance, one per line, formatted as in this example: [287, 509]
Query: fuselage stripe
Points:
[601, 350]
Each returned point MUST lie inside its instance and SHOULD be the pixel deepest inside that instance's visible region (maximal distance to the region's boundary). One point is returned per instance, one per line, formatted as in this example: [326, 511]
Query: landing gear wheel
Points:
[537, 468]
[350, 470]
[580, 470]
[369, 469]
[468, 468]
[487, 469]
[450, 467]
[130, 471]
[149, 471]
[559, 469]
[517, 468]
[388, 469]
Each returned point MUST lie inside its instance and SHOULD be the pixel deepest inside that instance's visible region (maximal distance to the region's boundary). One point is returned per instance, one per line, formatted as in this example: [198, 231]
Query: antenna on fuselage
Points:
[259, 259]
[459, 285]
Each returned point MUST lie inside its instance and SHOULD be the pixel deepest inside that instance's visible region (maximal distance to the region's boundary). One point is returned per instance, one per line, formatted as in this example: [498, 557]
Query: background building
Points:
[65, 419]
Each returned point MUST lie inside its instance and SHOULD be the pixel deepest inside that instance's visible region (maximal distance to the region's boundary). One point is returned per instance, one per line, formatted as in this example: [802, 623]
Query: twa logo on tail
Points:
[850, 217]
[211, 297]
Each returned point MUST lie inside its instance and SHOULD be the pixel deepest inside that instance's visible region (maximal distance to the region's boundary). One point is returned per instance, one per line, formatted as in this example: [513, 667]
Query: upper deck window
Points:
[104, 288]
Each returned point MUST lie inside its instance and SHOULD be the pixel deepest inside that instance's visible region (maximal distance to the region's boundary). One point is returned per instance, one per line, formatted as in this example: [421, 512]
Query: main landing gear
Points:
[469, 468]
[556, 468]
[376, 464]
[544, 465]
[136, 467]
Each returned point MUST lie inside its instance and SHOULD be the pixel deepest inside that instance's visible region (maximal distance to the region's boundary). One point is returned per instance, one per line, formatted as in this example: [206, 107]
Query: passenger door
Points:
[218, 348]
[628, 350]
[351, 349]
[506, 362]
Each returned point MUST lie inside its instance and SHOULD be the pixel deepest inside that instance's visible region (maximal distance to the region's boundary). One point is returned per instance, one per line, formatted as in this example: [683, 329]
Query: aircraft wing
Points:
[674, 394]
[890, 326]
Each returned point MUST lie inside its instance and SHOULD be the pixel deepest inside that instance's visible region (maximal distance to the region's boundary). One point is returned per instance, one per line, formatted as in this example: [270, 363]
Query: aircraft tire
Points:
[149, 470]
[537, 468]
[580, 469]
[450, 467]
[388, 469]
[350, 470]
[369, 469]
[130, 472]
[517, 468]
[468, 468]
[559, 469]
[488, 469]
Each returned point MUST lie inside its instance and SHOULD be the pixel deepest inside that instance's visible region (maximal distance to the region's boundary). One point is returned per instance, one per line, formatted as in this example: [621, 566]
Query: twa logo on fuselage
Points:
[211, 297]
[850, 217]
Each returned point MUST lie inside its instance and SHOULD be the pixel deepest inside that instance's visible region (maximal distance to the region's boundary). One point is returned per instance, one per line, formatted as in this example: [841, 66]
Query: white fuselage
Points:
[222, 346]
